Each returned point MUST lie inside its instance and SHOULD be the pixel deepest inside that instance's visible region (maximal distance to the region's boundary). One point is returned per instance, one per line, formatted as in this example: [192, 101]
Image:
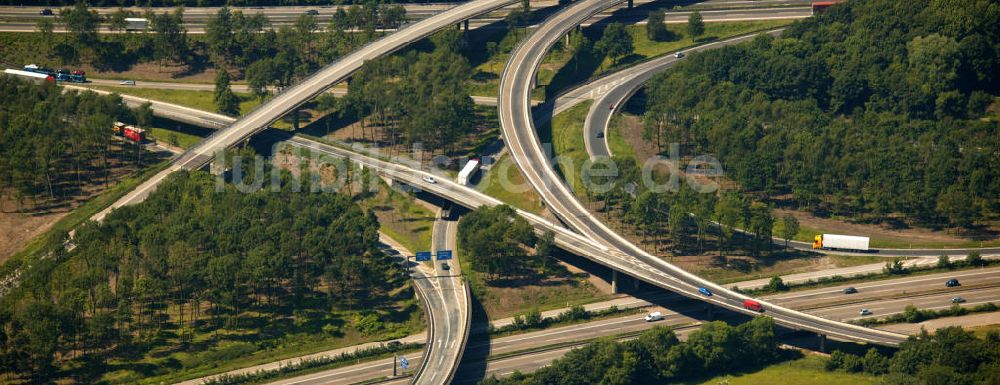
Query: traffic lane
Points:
[883, 308]
[901, 286]
[439, 315]
[635, 323]
[451, 321]
[592, 329]
[533, 361]
[352, 374]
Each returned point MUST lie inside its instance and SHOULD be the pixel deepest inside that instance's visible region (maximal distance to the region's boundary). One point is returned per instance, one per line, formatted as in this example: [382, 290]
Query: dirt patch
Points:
[154, 72]
[17, 229]
[550, 293]
[630, 128]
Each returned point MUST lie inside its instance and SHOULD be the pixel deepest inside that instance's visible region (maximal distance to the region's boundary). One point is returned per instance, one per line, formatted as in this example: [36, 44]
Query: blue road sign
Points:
[443, 254]
[404, 363]
[423, 256]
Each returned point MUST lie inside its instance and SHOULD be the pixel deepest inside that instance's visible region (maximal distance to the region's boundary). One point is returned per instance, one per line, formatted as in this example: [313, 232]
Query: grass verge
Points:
[505, 182]
[565, 132]
[201, 100]
[401, 218]
[808, 370]
[173, 137]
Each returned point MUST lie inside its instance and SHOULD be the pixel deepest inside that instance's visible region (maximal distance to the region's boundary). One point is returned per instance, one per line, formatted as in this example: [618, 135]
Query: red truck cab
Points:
[753, 305]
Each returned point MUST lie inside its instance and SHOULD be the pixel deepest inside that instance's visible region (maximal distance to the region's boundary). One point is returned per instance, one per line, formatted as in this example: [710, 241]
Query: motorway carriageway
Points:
[681, 312]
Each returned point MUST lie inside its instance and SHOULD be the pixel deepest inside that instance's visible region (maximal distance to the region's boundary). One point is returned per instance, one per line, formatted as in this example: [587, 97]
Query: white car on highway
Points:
[429, 180]
[654, 316]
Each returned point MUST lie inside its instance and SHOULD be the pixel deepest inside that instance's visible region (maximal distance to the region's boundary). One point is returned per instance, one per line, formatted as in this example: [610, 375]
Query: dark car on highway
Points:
[850, 290]
[45, 12]
[952, 283]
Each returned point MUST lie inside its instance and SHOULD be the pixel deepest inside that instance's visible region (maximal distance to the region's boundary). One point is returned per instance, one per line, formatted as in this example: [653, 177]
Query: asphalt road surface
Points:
[878, 296]
[452, 310]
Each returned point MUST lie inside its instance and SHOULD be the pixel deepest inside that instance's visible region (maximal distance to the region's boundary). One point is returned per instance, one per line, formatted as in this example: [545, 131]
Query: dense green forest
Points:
[949, 356]
[657, 356]
[496, 240]
[873, 110]
[199, 266]
[53, 144]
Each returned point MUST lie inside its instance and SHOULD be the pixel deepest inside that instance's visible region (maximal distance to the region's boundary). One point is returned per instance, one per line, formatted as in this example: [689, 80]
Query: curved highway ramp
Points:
[518, 129]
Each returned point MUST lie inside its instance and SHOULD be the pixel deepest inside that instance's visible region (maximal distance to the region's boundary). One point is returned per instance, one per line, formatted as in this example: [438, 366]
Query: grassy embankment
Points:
[201, 100]
[402, 218]
[808, 370]
[505, 182]
[565, 132]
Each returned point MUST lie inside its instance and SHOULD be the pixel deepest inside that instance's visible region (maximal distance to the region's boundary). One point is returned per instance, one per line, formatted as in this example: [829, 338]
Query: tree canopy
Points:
[658, 356]
[191, 243]
[871, 110]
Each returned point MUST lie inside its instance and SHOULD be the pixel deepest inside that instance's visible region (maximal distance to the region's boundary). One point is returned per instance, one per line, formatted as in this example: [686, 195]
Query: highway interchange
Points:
[873, 291]
[594, 240]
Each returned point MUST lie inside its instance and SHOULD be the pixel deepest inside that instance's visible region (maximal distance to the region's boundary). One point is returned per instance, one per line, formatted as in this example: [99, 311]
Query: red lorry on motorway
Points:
[753, 305]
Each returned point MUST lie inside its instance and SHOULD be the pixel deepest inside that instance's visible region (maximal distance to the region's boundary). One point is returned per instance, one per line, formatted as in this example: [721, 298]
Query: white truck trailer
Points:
[136, 24]
[840, 242]
[33, 76]
[468, 172]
